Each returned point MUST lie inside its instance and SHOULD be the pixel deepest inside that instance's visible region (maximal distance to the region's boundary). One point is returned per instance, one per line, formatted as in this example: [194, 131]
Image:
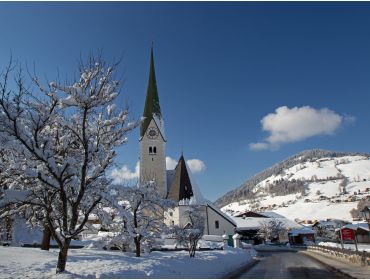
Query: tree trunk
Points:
[45, 245]
[62, 258]
[137, 245]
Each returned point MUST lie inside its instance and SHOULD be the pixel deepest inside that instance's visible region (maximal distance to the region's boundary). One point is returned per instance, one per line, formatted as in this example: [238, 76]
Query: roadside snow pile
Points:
[17, 262]
[361, 246]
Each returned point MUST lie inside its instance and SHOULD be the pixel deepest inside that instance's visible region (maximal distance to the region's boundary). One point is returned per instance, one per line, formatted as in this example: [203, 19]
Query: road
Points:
[288, 265]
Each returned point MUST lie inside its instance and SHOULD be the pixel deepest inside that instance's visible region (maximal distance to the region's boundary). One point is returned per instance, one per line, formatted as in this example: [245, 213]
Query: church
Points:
[178, 184]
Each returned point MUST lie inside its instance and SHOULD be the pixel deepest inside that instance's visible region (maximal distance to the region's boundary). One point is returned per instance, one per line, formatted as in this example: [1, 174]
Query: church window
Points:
[217, 224]
[171, 214]
[152, 150]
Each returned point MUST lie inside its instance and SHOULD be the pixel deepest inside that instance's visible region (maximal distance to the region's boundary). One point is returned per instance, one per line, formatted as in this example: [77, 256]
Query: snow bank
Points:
[17, 262]
[361, 246]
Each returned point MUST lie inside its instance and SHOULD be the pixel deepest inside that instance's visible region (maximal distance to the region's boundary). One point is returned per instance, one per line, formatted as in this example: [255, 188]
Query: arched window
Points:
[154, 150]
[150, 150]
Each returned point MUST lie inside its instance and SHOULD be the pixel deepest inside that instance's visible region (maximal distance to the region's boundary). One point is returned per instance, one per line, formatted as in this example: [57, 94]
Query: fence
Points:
[359, 258]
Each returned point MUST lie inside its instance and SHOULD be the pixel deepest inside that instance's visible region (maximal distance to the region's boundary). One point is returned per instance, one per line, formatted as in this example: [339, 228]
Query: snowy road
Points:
[288, 265]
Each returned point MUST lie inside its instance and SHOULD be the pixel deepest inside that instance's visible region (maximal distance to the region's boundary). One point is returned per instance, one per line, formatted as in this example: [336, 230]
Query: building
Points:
[177, 184]
[325, 230]
[301, 236]
[360, 229]
[249, 223]
[152, 138]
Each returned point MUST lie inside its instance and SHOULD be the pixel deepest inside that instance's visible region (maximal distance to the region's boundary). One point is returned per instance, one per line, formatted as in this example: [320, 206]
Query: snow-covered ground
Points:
[320, 210]
[361, 246]
[355, 168]
[19, 262]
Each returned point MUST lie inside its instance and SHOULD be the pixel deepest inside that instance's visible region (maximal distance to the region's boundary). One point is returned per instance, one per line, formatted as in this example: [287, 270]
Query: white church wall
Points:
[172, 217]
[224, 226]
[210, 218]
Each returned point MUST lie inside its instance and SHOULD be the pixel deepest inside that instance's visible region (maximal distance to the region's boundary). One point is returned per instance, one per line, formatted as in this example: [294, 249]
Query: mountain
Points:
[313, 184]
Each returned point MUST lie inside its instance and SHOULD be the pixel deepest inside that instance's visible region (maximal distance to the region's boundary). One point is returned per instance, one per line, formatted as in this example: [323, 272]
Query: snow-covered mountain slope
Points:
[312, 185]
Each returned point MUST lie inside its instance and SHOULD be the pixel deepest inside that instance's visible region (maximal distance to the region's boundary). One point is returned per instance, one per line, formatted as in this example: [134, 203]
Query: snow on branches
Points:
[190, 234]
[139, 215]
[59, 141]
[271, 229]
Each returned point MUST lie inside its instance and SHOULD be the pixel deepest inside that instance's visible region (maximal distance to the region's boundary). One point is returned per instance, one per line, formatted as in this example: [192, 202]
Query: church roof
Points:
[151, 107]
[181, 187]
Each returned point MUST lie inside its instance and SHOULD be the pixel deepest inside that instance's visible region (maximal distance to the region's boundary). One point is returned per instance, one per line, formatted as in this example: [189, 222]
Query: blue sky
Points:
[221, 68]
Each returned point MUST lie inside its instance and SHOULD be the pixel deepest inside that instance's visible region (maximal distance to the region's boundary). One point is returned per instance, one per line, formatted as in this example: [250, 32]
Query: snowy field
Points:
[18, 262]
[355, 168]
[321, 210]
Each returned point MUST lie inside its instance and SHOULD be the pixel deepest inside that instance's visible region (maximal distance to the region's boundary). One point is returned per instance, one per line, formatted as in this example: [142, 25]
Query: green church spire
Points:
[152, 99]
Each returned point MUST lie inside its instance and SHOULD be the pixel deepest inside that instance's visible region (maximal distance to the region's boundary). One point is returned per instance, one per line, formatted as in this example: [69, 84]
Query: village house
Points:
[301, 236]
[249, 223]
[360, 229]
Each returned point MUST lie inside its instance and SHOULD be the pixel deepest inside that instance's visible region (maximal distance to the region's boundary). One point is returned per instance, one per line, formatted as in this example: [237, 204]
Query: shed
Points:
[301, 236]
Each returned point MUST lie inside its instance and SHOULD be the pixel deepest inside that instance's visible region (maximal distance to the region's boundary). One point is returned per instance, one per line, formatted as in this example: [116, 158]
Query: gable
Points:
[153, 123]
[222, 215]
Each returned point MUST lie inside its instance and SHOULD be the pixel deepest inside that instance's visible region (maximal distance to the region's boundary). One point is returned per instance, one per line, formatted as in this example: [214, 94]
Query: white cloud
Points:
[170, 163]
[195, 165]
[287, 125]
[124, 174]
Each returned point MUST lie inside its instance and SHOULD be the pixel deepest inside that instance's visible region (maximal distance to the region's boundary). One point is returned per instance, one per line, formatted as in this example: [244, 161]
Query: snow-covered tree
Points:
[342, 185]
[271, 229]
[190, 234]
[139, 215]
[61, 140]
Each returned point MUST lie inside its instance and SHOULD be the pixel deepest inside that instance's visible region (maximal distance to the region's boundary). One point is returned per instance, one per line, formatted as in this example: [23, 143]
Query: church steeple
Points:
[181, 187]
[152, 100]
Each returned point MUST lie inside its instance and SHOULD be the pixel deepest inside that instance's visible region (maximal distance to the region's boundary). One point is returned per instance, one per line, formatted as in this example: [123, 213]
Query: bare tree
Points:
[271, 229]
[190, 234]
[62, 140]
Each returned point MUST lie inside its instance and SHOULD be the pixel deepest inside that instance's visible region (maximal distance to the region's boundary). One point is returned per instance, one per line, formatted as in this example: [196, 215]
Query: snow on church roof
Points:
[196, 191]
[160, 124]
[176, 182]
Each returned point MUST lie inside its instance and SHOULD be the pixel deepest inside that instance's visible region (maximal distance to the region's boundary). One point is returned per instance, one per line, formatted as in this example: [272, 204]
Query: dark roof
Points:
[152, 99]
[181, 187]
[251, 214]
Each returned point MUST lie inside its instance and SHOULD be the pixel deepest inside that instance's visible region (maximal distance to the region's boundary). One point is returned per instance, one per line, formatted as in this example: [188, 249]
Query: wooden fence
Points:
[360, 258]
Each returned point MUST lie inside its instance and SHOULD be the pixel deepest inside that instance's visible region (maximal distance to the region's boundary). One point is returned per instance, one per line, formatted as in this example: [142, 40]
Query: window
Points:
[152, 150]
[171, 214]
[217, 224]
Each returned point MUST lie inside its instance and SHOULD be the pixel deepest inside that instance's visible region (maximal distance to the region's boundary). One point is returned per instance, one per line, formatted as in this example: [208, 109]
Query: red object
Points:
[348, 234]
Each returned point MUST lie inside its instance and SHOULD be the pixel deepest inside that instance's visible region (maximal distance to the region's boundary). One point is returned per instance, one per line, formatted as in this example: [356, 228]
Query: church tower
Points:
[152, 137]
